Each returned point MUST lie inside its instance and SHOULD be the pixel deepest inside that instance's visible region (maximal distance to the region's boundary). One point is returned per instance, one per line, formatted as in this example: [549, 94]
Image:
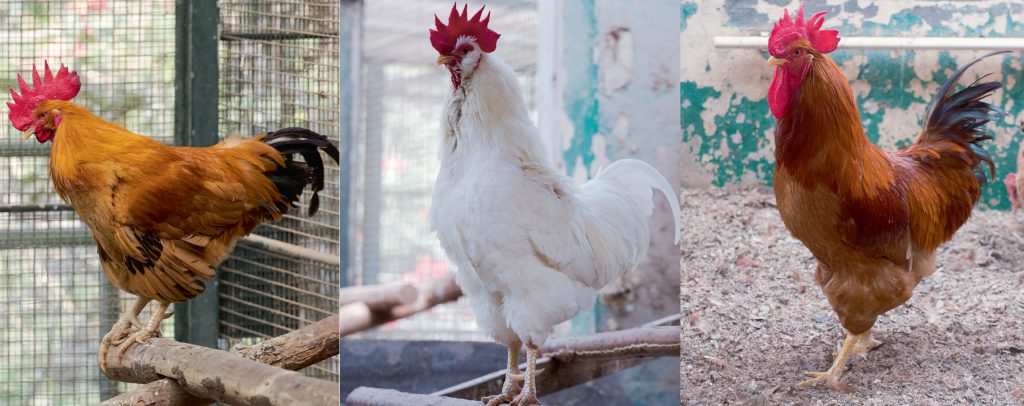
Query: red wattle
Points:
[779, 94]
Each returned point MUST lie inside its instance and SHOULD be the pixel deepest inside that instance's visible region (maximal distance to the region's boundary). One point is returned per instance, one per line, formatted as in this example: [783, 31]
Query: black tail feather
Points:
[961, 116]
[295, 175]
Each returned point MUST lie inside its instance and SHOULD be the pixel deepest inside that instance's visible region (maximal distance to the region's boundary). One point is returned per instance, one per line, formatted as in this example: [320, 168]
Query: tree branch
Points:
[631, 343]
[379, 297]
[201, 372]
[360, 316]
[295, 350]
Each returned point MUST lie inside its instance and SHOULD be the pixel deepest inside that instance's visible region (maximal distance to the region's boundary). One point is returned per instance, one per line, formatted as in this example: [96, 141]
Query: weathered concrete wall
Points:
[606, 90]
[728, 129]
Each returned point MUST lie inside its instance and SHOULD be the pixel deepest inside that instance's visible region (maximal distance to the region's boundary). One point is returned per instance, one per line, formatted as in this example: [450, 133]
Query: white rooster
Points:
[531, 247]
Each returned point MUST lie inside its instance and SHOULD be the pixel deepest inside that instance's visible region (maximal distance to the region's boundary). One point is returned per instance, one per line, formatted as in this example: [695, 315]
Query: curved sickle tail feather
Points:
[295, 175]
[960, 117]
[640, 177]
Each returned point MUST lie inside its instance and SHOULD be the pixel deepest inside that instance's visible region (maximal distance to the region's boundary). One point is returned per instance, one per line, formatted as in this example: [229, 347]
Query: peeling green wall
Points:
[727, 127]
[607, 75]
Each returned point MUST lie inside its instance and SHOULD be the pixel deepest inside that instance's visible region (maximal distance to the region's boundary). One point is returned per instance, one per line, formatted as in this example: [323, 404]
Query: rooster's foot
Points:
[140, 337]
[118, 333]
[497, 400]
[828, 377]
[854, 344]
[525, 399]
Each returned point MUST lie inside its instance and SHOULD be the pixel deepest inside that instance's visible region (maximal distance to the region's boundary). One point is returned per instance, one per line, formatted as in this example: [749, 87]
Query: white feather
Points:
[531, 248]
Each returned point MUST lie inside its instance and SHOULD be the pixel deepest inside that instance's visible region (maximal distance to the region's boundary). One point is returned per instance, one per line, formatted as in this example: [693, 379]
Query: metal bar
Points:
[919, 43]
[291, 250]
[274, 36]
[35, 239]
[195, 124]
[36, 208]
[23, 149]
[350, 66]
[282, 271]
[268, 282]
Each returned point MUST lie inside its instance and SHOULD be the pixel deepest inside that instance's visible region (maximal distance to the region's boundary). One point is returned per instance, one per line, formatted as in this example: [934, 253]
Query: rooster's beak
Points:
[27, 133]
[773, 61]
[444, 59]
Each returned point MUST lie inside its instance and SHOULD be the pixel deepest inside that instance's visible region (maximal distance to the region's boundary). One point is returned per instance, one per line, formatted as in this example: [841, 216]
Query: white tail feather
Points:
[616, 206]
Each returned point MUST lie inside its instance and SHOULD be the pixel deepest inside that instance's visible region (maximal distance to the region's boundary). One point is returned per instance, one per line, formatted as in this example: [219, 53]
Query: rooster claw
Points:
[497, 400]
[140, 337]
[525, 399]
[833, 381]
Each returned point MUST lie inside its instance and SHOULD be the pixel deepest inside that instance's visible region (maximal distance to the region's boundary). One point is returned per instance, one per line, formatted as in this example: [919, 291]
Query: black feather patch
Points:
[296, 175]
[960, 116]
[151, 247]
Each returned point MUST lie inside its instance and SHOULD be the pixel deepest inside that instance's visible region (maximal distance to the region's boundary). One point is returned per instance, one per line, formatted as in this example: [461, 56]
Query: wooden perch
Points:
[295, 350]
[219, 375]
[570, 361]
[379, 297]
[364, 396]
[567, 362]
[631, 343]
[360, 316]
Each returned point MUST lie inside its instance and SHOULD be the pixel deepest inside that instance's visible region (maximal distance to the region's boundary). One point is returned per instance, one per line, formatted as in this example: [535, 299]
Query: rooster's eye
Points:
[797, 52]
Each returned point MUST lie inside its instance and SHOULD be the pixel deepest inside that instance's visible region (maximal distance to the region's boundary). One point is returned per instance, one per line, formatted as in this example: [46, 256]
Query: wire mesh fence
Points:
[402, 100]
[55, 303]
[279, 68]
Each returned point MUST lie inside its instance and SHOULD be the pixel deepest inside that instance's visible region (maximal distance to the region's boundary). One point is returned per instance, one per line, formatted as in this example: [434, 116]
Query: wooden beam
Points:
[364, 396]
[570, 361]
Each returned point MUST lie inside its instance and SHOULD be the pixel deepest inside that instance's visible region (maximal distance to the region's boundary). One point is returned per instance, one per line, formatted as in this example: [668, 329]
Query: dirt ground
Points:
[754, 320]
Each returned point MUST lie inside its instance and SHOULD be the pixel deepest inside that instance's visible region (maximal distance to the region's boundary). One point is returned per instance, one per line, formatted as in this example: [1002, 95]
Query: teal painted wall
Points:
[607, 77]
[727, 127]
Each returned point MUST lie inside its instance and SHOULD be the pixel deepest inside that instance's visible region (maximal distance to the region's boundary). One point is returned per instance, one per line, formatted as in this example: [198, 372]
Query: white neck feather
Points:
[488, 115]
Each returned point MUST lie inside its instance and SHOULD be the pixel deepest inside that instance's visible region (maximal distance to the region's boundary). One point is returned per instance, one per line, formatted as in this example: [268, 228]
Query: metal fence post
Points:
[350, 32]
[195, 124]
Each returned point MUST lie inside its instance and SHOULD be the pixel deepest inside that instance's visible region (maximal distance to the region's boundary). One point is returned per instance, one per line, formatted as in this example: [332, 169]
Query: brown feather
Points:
[162, 216]
[869, 217]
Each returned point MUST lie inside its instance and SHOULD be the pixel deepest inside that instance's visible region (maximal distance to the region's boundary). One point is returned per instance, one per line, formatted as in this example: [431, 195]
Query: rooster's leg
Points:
[855, 344]
[121, 329]
[152, 329]
[529, 394]
[511, 386]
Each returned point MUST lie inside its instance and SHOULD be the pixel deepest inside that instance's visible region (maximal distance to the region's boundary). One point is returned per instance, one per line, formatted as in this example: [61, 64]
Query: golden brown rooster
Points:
[162, 217]
[872, 219]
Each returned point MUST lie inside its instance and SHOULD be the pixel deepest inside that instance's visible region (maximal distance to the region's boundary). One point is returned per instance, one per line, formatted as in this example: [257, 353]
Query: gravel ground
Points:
[754, 320]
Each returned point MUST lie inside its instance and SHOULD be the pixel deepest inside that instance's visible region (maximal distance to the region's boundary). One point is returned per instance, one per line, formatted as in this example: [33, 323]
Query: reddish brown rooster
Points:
[872, 219]
[162, 217]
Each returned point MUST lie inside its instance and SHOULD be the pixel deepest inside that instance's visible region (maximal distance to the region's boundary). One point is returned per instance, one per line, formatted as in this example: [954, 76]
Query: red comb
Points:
[444, 37]
[64, 86]
[788, 30]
